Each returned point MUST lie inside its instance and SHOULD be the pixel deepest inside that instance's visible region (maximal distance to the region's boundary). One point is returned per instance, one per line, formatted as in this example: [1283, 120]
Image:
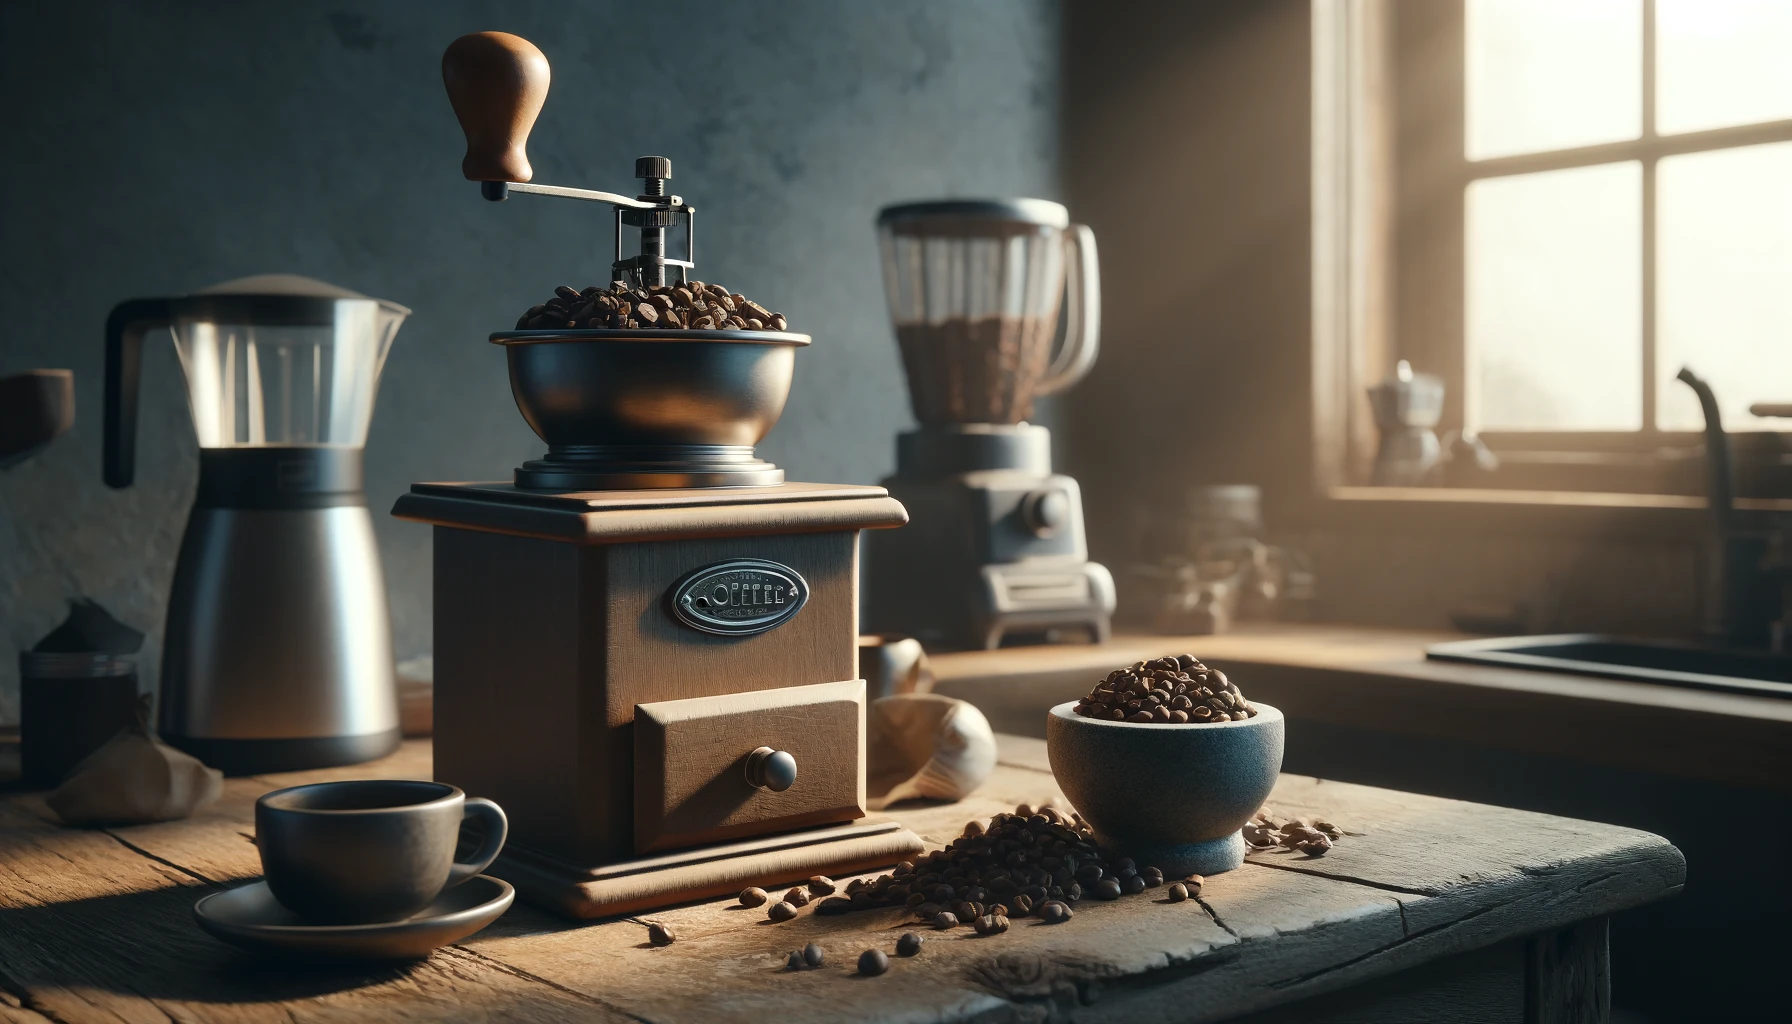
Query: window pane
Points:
[1554, 298]
[1724, 282]
[1550, 74]
[1722, 62]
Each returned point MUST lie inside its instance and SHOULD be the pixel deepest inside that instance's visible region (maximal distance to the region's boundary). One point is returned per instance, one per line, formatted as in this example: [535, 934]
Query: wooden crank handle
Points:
[497, 83]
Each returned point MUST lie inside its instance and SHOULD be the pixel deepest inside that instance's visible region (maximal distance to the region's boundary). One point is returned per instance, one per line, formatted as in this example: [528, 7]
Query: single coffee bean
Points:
[873, 962]
[1073, 892]
[1152, 876]
[797, 897]
[1315, 847]
[822, 885]
[813, 956]
[908, 945]
[1133, 885]
[1177, 892]
[752, 896]
[795, 961]
[1022, 905]
[1054, 912]
[566, 292]
[991, 924]
[781, 911]
[944, 920]
[1106, 889]
[1195, 882]
[661, 934]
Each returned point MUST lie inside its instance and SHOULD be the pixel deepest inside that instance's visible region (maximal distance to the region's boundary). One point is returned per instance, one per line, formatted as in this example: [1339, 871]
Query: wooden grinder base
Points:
[720, 870]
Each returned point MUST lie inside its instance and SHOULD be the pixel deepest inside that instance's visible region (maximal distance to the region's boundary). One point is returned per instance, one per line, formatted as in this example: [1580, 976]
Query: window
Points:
[1560, 204]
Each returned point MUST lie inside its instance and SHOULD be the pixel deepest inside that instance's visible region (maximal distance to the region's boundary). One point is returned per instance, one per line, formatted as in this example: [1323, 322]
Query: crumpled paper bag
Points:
[925, 746]
[135, 778]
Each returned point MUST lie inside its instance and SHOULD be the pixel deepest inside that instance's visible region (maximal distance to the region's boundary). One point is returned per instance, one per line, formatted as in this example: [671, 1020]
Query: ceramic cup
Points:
[1171, 796]
[369, 850]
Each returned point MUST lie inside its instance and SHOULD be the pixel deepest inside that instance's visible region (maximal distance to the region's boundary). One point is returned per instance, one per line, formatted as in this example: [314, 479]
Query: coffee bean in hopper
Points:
[908, 945]
[873, 962]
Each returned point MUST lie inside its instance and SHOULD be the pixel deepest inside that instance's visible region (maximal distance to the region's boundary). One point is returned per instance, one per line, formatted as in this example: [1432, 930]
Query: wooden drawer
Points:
[691, 763]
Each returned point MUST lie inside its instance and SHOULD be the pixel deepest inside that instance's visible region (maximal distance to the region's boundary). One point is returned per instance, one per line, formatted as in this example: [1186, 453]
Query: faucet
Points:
[1738, 601]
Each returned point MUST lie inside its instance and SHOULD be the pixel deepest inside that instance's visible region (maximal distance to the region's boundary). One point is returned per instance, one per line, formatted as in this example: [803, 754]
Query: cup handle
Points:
[497, 828]
[1082, 306]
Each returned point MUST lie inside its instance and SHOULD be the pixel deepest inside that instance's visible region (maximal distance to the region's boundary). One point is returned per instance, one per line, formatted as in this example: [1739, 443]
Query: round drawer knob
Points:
[771, 769]
[1046, 512]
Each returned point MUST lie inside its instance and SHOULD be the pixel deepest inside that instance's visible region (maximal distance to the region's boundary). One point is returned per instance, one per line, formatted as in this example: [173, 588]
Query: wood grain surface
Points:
[95, 926]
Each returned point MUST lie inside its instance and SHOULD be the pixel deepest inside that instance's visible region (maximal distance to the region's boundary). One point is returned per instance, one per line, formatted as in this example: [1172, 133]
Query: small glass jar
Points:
[69, 706]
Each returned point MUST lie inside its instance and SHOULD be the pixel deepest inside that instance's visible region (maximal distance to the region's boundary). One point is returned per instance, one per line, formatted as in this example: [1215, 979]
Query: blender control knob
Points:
[771, 769]
[653, 167]
[1045, 512]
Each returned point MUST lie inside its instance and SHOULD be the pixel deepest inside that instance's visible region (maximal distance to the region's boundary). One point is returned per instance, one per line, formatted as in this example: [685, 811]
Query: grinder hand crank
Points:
[497, 83]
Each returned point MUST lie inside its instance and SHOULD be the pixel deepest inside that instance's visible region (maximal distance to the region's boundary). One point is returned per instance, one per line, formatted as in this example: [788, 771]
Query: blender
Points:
[277, 654]
[995, 550]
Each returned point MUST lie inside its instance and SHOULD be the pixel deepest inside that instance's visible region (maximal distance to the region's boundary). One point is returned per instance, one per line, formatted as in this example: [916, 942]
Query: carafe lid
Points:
[291, 286]
[954, 216]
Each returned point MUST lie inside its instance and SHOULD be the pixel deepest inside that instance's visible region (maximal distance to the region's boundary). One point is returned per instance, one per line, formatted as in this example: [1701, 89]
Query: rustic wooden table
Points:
[1429, 910]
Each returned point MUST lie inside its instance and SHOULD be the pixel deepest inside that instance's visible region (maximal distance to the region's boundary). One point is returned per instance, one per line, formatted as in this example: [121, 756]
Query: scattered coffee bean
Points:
[1132, 885]
[1153, 877]
[1195, 882]
[691, 306]
[945, 919]
[908, 945]
[1177, 892]
[661, 934]
[795, 961]
[1309, 836]
[822, 885]
[752, 896]
[1054, 912]
[991, 924]
[797, 897]
[781, 911]
[1023, 905]
[813, 956]
[1108, 889]
[873, 962]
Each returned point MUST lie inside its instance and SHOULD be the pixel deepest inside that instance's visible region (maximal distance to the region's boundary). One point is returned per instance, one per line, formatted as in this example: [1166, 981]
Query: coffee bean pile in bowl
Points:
[692, 306]
[1167, 691]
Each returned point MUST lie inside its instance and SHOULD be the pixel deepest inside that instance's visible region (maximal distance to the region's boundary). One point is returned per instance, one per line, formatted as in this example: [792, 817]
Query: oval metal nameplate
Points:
[740, 597]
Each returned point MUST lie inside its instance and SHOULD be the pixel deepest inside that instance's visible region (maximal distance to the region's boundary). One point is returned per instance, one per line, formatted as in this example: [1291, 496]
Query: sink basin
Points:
[1644, 661]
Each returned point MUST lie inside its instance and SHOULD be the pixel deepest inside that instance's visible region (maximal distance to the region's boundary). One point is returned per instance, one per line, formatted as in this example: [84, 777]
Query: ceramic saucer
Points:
[250, 917]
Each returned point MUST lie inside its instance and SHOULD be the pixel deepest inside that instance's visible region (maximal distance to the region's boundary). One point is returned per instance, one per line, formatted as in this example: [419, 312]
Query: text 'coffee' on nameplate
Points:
[739, 597]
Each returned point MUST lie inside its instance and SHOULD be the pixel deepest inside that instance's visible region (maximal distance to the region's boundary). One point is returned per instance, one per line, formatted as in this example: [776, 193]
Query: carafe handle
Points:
[125, 328]
[1082, 307]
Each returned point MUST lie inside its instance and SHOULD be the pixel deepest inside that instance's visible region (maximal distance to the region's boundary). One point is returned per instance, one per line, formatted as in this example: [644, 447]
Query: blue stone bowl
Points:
[1169, 796]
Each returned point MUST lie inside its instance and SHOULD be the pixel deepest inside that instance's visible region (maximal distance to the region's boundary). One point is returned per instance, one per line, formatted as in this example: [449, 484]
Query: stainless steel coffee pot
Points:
[277, 654]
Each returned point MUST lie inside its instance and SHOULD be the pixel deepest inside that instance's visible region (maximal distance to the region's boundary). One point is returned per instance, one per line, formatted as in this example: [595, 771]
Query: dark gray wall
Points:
[154, 149]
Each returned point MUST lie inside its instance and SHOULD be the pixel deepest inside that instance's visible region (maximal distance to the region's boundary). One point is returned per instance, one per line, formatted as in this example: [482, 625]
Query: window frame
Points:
[1390, 251]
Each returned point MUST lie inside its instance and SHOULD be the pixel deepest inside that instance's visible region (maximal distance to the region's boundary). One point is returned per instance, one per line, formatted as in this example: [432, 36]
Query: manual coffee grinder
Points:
[995, 553]
[646, 645]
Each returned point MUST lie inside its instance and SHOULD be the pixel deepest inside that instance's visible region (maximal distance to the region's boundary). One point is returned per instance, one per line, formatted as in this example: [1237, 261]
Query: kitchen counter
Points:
[1379, 680]
[1427, 909]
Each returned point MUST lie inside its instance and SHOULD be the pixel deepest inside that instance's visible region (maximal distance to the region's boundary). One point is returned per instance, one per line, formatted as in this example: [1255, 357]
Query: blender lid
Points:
[969, 212]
